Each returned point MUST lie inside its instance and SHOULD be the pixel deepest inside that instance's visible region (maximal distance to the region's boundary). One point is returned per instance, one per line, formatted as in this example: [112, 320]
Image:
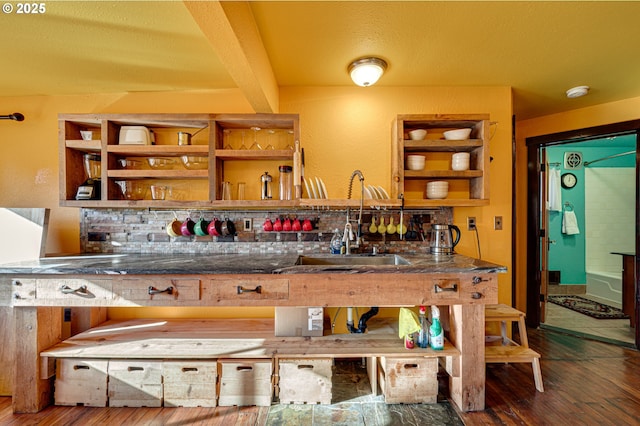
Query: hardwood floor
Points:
[586, 382]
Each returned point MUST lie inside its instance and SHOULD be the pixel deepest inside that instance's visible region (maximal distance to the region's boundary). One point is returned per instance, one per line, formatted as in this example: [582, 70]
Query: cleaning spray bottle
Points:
[436, 333]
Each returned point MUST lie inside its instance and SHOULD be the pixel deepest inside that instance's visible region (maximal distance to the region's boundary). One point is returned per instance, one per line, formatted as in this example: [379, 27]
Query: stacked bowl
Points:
[460, 161]
[437, 190]
[415, 162]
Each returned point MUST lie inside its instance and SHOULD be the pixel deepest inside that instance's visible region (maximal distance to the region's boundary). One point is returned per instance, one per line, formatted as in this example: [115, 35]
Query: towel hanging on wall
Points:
[554, 196]
[570, 223]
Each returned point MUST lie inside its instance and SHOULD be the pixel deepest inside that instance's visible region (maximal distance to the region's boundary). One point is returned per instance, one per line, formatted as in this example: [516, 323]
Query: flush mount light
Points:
[576, 92]
[366, 71]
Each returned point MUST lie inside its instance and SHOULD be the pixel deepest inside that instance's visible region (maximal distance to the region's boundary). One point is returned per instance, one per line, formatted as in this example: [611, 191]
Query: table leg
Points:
[467, 334]
[36, 329]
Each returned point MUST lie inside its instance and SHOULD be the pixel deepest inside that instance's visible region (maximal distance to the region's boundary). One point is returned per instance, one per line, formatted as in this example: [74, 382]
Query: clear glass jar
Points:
[286, 182]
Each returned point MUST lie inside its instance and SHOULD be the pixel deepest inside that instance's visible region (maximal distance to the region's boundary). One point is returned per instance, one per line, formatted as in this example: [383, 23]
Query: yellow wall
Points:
[343, 128]
[614, 112]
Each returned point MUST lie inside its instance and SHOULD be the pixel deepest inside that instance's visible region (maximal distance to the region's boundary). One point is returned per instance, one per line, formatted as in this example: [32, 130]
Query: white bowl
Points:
[460, 161]
[457, 134]
[415, 162]
[437, 190]
[417, 134]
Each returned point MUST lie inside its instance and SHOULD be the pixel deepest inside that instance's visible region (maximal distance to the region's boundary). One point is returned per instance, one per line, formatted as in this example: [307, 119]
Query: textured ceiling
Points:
[539, 48]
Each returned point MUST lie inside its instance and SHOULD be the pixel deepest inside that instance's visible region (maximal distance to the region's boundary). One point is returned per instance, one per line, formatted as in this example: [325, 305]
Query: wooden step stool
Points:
[511, 351]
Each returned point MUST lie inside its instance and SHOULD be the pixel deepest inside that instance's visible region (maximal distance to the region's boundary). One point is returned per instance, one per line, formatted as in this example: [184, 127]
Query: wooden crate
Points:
[409, 380]
[245, 382]
[81, 382]
[304, 381]
[189, 383]
[135, 383]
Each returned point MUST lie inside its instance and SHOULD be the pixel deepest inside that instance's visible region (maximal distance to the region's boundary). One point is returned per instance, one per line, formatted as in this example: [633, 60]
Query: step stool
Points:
[510, 351]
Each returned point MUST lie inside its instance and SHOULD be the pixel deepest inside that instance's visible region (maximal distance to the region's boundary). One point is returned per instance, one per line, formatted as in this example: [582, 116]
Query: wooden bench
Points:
[510, 351]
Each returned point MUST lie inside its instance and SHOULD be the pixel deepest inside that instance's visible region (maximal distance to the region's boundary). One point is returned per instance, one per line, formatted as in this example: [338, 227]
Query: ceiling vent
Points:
[572, 160]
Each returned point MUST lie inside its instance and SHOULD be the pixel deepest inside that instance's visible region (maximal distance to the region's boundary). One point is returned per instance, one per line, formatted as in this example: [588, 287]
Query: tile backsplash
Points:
[144, 231]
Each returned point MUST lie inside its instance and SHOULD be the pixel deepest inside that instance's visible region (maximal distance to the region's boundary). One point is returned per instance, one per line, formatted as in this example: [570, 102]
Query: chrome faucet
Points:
[348, 231]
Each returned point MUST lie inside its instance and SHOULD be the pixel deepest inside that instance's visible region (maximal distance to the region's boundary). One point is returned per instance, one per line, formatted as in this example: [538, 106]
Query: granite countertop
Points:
[151, 264]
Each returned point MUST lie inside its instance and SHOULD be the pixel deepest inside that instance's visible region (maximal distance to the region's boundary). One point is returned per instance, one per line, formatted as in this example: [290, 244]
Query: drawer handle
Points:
[476, 295]
[477, 280]
[153, 290]
[81, 291]
[241, 290]
[439, 289]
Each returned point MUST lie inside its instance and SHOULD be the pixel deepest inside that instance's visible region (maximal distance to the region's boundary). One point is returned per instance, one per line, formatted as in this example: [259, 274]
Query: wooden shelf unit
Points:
[475, 182]
[209, 142]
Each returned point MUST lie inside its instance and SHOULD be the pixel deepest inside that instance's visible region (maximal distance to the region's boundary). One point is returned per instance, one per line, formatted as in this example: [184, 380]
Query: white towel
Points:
[554, 196]
[570, 223]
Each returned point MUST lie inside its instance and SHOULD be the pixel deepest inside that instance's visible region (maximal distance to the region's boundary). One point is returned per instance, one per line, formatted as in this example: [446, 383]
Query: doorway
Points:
[578, 176]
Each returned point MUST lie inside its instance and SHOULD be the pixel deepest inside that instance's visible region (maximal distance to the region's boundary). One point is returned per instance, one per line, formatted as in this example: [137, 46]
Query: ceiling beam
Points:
[231, 30]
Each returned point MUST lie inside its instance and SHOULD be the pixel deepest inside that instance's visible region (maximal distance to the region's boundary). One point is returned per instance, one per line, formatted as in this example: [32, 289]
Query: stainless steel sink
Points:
[352, 260]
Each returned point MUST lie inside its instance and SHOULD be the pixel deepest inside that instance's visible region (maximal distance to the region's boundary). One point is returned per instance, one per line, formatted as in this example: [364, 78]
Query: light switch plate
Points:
[247, 224]
[497, 223]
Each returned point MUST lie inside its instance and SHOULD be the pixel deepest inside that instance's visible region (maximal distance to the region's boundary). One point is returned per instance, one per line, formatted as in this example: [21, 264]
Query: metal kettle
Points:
[442, 239]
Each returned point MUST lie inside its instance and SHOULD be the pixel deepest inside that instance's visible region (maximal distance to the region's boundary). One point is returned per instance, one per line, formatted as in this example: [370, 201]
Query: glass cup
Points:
[226, 190]
[158, 192]
[241, 186]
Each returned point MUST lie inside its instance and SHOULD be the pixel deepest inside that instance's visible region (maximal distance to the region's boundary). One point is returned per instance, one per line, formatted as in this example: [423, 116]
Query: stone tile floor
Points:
[615, 331]
[354, 404]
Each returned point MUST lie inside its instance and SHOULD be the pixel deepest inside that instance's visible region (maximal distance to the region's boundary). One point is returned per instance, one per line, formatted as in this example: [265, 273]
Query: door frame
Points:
[534, 234]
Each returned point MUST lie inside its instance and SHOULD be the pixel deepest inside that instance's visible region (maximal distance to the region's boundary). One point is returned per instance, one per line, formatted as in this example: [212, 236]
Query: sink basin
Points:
[353, 260]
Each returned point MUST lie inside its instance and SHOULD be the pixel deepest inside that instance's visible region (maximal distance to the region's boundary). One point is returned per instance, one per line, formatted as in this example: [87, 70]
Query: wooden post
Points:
[6, 350]
[467, 334]
[36, 329]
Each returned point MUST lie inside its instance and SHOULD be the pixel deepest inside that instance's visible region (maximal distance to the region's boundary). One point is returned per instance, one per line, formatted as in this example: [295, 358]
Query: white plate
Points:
[383, 193]
[324, 189]
[319, 187]
[306, 186]
[313, 188]
[367, 193]
[375, 193]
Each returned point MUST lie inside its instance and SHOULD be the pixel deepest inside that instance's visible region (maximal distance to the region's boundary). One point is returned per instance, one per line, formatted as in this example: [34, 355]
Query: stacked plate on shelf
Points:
[375, 193]
[315, 188]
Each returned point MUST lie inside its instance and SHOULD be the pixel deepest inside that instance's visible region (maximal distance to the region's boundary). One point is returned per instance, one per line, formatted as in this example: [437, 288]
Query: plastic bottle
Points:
[436, 333]
[336, 242]
[423, 334]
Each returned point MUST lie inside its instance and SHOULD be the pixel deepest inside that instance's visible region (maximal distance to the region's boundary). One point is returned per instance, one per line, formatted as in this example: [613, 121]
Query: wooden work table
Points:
[39, 290]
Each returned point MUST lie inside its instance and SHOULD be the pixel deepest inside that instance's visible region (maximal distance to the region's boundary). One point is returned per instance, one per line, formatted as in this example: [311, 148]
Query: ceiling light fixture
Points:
[366, 71]
[576, 92]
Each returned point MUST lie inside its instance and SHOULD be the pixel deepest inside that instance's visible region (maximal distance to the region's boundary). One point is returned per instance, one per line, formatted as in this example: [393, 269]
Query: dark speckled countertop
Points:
[178, 264]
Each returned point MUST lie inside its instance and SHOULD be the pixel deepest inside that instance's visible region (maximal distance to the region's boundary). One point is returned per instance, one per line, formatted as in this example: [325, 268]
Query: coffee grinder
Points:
[90, 189]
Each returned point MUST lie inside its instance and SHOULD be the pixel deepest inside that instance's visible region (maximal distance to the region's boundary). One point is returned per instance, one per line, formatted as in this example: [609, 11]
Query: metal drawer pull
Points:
[153, 290]
[81, 291]
[476, 295]
[477, 280]
[439, 289]
[241, 290]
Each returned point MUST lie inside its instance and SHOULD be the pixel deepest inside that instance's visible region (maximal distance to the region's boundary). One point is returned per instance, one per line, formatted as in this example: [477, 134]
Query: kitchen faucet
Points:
[348, 231]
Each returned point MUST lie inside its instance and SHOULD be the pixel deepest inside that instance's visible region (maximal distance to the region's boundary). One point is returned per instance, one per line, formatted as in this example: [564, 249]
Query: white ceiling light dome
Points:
[576, 92]
[367, 71]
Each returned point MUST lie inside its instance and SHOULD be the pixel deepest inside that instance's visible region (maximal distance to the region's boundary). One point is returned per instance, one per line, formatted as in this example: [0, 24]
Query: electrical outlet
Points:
[497, 223]
[471, 223]
[247, 224]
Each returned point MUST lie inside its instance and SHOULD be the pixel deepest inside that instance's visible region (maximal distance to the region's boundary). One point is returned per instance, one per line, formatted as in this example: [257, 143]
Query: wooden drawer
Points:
[81, 382]
[158, 290]
[305, 381]
[189, 383]
[77, 289]
[243, 290]
[245, 382]
[409, 380]
[135, 383]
